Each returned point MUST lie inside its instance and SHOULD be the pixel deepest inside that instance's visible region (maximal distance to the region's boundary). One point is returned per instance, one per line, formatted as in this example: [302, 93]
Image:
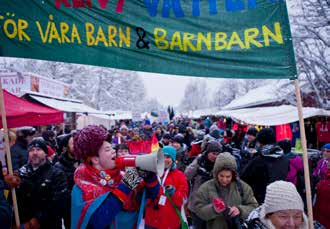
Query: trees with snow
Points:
[230, 89]
[195, 96]
[101, 88]
[311, 38]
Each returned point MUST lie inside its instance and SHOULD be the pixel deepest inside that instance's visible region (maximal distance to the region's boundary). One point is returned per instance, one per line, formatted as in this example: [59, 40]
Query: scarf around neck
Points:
[94, 182]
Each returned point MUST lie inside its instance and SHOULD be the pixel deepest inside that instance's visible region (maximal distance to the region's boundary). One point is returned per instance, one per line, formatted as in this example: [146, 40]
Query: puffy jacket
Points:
[165, 217]
[269, 166]
[42, 194]
[296, 165]
[67, 165]
[322, 206]
[237, 193]
[197, 173]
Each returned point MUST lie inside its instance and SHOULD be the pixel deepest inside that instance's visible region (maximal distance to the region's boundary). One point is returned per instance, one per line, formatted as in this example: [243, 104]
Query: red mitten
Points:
[218, 205]
[34, 223]
[12, 180]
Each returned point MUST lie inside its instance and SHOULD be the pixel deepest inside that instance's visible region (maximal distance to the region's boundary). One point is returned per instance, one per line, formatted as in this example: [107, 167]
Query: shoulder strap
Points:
[176, 209]
[240, 188]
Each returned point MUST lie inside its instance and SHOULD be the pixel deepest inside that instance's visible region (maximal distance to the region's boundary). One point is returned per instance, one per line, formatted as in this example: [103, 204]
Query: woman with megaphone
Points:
[164, 211]
[102, 197]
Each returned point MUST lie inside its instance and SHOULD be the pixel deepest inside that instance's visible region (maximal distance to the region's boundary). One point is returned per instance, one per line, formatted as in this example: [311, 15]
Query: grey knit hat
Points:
[213, 146]
[282, 195]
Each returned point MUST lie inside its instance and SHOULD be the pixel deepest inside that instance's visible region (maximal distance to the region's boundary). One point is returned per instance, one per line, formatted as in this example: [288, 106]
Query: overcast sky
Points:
[169, 89]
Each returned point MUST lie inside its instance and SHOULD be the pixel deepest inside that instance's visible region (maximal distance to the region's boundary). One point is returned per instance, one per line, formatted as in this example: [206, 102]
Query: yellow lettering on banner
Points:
[100, 37]
[89, 33]
[268, 33]
[22, 24]
[176, 41]
[126, 39]
[14, 28]
[160, 40]
[43, 35]
[234, 39]
[187, 37]
[249, 37]
[64, 28]
[53, 34]
[206, 40]
[112, 32]
[220, 37]
[75, 34]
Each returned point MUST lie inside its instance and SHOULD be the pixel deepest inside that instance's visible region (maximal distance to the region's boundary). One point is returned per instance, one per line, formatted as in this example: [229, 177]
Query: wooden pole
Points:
[9, 163]
[305, 156]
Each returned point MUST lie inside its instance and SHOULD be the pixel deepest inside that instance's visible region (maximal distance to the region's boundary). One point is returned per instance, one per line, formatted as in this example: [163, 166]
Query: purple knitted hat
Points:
[88, 141]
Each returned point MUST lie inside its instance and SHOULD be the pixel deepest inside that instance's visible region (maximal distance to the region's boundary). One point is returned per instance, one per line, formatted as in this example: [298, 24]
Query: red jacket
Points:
[165, 217]
[322, 204]
[195, 150]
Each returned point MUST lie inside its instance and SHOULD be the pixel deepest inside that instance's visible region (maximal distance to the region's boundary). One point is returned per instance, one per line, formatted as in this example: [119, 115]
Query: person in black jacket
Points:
[19, 153]
[68, 164]
[43, 190]
[268, 166]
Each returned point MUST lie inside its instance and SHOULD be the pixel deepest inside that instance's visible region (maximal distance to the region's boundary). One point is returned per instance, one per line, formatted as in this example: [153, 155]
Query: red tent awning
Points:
[20, 112]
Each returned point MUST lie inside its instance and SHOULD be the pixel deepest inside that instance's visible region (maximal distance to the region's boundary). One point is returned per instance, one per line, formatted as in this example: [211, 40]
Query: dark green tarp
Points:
[207, 38]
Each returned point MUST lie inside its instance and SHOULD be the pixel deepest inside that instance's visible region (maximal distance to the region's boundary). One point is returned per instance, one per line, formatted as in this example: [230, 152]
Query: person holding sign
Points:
[164, 211]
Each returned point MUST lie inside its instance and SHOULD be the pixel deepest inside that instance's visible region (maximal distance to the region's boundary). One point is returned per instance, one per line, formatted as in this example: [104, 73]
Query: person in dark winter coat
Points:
[42, 191]
[181, 152]
[270, 165]
[249, 142]
[19, 153]
[68, 164]
[197, 173]
[236, 196]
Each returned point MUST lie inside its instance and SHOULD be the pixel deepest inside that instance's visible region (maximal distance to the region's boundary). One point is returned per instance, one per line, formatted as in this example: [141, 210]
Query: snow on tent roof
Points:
[64, 104]
[271, 116]
[261, 95]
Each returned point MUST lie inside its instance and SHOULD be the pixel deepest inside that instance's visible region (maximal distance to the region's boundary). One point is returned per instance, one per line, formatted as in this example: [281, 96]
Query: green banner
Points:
[207, 38]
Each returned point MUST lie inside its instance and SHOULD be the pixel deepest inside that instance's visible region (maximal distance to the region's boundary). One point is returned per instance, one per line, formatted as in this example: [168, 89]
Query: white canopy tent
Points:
[64, 104]
[271, 116]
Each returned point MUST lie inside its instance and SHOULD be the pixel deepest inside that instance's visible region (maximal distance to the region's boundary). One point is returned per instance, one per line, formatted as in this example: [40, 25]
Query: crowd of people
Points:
[214, 177]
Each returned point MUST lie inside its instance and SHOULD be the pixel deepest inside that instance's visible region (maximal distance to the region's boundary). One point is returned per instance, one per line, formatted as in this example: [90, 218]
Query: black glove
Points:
[146, 175]
[131, 178]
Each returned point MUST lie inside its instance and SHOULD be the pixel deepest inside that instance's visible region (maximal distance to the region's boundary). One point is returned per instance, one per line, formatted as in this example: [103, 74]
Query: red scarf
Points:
[88, 179]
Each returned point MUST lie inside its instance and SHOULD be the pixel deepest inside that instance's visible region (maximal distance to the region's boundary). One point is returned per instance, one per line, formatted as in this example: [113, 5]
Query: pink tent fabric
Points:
[20, 112]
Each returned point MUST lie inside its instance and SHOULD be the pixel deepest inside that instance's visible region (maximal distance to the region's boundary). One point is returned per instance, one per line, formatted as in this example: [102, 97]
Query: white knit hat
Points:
[282, 195]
